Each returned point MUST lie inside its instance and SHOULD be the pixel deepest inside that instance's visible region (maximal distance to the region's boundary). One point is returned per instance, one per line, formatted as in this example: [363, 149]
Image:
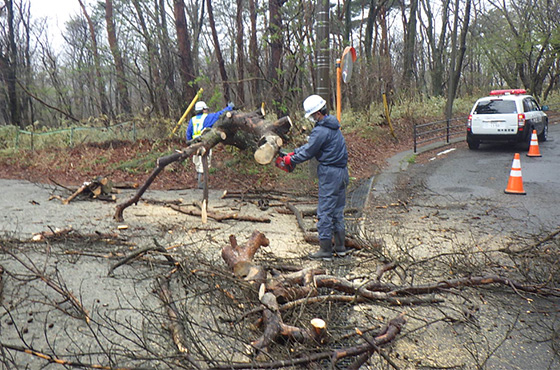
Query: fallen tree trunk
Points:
[242, 130]
[218, 216]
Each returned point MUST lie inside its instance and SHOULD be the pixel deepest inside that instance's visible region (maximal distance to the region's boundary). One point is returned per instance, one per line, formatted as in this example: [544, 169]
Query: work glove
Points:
[284, 162]
[231, 105]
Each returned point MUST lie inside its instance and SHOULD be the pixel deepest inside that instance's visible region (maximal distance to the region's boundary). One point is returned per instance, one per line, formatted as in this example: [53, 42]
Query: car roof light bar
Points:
[508, 92]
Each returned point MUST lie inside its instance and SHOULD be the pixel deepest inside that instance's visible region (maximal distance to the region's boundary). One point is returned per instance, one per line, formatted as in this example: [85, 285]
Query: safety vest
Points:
[198, 124]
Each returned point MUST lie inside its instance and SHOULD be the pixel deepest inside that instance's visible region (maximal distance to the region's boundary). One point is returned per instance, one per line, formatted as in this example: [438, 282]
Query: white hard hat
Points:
[199, 106]
[312, 104]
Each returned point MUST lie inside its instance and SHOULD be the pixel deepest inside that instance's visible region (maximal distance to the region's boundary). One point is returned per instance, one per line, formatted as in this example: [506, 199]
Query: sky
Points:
[57, 13]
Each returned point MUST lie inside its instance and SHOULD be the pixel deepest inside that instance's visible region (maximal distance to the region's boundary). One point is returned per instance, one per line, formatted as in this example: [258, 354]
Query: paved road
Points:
[452, 202]
[483, 174]
[456, 174]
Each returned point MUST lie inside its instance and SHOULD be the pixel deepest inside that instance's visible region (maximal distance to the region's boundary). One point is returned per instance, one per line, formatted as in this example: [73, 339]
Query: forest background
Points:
[146, 59]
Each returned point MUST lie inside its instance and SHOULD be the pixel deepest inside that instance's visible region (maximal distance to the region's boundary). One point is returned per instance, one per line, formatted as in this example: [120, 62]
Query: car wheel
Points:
[473, 144]
[544, 134]
[526, 144]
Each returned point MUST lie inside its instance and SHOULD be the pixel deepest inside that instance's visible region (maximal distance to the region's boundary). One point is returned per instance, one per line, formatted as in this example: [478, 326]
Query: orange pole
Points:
[338, 90]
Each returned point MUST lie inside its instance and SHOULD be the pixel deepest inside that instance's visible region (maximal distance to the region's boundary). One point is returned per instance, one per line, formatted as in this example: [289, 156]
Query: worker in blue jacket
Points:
[328, 146]
[201, 120]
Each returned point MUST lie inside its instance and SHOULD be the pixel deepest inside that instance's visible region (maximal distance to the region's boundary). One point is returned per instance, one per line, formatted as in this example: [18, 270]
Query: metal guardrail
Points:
[438, 130]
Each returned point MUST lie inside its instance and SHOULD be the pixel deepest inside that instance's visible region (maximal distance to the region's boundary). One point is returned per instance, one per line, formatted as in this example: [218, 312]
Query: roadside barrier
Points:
[534, 147]
[438, 130]
[515, 182]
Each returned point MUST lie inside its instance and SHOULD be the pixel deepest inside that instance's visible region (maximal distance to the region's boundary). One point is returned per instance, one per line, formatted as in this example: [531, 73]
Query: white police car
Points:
[506, 115]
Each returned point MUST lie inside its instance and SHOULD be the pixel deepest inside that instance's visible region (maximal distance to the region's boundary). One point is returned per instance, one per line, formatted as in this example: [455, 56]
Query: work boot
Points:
[200, 178]
[339, 247]
[324, 252]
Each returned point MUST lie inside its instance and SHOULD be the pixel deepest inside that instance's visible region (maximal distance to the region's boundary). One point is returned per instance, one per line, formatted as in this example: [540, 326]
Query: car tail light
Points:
[469, 122]
[521, 120]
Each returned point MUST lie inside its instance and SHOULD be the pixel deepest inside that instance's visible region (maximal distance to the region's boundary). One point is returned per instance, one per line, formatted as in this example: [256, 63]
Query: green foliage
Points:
[553, 101]
[371, 124]
[7, 137]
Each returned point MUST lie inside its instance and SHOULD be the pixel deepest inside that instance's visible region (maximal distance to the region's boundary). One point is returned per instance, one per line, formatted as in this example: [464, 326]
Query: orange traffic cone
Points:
[534, 147]
[515, 182]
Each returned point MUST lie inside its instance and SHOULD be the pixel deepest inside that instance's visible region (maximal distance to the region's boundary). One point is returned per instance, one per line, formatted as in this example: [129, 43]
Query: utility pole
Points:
[323, 50]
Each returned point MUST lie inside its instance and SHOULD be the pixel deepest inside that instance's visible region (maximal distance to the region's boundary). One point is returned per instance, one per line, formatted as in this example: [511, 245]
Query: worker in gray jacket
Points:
[328, 146]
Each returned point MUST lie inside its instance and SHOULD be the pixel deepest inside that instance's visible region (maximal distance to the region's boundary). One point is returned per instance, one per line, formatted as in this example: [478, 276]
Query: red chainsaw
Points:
[282, 163]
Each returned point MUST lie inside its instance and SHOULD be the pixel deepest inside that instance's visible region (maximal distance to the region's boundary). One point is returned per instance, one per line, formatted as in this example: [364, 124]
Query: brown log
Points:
[76, 193]
[160, 165]
[217, 216]
[289, 287]
[1, 283]
[233, 253]
[126, 185]
[349, 241]
[139, 253]
[392, 329]
[38, 237]
[250, 272]
[100, 187]
[175, 325]
[272, 322]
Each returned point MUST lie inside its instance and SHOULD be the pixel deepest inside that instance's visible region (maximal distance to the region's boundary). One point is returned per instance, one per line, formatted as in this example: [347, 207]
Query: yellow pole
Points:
[338, 90]
[387, 114]
[189, 108]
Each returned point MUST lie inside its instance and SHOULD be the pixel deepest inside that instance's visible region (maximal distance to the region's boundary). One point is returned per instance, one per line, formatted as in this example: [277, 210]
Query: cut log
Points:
[218, 216]
[175, 325]
[38, 237]
[76, 193]
[233, 253]
[99, 188]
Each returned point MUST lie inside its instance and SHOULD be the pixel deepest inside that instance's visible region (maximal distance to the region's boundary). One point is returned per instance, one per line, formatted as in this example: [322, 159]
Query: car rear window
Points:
[496, 107]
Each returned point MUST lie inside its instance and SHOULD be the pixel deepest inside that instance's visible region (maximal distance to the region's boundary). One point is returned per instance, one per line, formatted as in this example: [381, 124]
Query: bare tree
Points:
[218, 50]
[100, 80]
[156, 86]
[409, 44]
[122, 88]
[186, 66]
[436, 42]
[239, 42]
[8, 67]
[457, 53]
[254, 65]
[275, 41]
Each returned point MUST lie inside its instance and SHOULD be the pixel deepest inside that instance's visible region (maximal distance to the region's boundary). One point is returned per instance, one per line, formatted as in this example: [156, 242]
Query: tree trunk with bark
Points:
[122, 89]
[276, 44]
[240, 54]
[219, 56]
[158, 94]
[100, 81]
[186, 66]
[8, 64]
[457, 55]
[254, 68]
[410, 45]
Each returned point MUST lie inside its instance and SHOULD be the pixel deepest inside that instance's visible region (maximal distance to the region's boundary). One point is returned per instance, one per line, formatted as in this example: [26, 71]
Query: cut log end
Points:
[266, 153]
